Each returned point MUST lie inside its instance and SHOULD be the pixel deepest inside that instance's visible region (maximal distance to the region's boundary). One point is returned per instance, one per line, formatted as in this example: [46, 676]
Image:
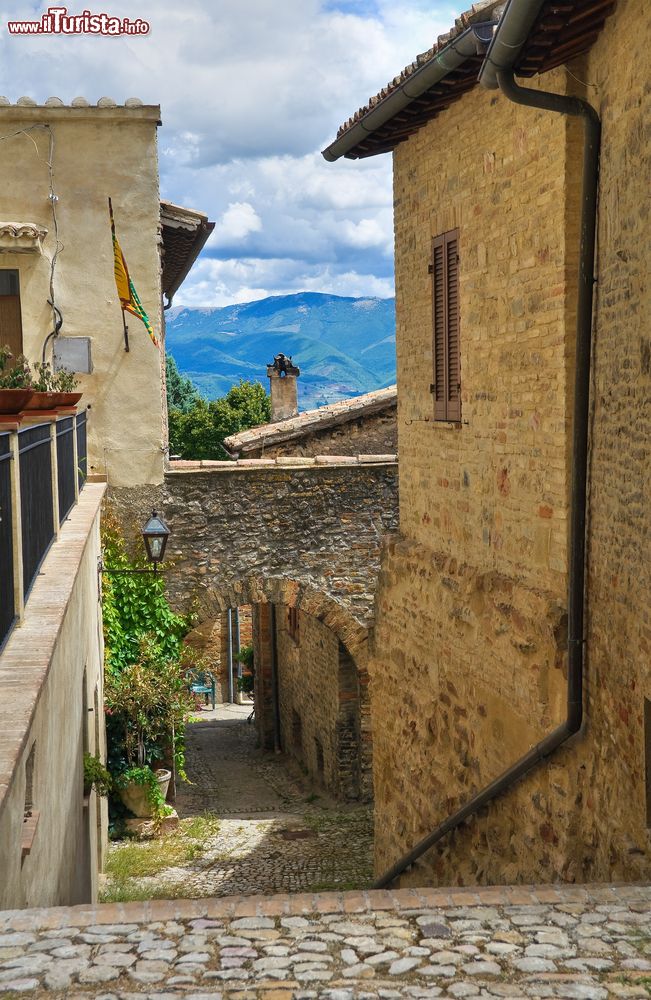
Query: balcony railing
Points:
[42, 470]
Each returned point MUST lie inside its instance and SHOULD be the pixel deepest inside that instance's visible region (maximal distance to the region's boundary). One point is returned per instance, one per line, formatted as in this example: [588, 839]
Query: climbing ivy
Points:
[135, 607]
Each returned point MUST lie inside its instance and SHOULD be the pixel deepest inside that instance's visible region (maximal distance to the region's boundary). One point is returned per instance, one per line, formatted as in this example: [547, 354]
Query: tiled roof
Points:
[478, 11]
[563, 30]
[312, 420]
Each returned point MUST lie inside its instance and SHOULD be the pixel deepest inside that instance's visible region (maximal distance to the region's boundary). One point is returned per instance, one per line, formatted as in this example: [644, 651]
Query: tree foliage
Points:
[181, 393]
[199, 433]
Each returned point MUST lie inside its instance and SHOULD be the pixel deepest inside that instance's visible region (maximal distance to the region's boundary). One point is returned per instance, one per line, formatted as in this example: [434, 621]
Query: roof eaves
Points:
[468, 38]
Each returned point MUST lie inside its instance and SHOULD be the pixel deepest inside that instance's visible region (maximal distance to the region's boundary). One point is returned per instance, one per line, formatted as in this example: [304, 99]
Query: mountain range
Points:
[343, 346]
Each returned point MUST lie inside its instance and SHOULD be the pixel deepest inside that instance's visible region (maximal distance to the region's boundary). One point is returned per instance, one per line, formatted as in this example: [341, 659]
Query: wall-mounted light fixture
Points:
[154, 534]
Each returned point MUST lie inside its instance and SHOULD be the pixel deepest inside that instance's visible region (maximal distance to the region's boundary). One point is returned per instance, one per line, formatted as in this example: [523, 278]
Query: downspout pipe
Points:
[576, 575]
[515, 24]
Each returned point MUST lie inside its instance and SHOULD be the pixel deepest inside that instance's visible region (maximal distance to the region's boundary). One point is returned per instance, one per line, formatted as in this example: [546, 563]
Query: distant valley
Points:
[343, 346]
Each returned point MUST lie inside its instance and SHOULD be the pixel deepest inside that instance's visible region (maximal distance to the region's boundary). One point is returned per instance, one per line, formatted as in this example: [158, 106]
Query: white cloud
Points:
[238, 221]
[250, 90]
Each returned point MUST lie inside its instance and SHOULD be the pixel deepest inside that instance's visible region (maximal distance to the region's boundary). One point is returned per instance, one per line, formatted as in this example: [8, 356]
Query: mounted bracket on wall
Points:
[73, 354]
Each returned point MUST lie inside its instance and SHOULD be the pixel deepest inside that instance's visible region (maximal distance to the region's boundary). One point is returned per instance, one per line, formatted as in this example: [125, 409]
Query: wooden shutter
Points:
[446, 387]
[11, 330]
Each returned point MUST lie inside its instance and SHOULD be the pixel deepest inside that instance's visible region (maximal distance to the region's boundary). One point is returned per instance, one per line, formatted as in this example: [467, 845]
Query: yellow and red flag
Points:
[128, 296]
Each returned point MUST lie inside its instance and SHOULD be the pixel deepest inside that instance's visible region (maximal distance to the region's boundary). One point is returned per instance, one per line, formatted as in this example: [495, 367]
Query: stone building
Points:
[360, 425]
[502, 413]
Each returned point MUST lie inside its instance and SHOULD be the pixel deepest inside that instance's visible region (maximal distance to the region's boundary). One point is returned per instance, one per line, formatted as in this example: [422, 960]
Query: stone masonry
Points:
[525, 943]
[300, 532]
[472, 596]
[365, 424]
[324, 709]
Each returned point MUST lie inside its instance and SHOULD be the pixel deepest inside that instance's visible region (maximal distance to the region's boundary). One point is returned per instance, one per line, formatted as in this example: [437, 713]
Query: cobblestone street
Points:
[572, 943]
[249, 823]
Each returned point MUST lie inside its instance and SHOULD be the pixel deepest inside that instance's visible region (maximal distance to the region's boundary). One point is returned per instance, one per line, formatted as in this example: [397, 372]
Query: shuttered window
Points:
[446, 387]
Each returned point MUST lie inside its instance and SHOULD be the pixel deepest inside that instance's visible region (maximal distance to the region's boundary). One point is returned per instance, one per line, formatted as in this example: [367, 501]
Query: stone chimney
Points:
[284, 391]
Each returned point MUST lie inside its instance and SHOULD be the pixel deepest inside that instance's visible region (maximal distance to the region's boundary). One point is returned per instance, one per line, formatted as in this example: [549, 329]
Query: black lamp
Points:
[155, 534]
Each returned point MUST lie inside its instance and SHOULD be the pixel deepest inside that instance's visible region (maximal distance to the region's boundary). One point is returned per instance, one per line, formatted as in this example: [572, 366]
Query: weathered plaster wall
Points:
[98, 152]
[468, 666]
[43, 706]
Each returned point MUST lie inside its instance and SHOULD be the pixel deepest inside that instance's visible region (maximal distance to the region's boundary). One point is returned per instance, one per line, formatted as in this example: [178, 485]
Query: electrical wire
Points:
[57, 319]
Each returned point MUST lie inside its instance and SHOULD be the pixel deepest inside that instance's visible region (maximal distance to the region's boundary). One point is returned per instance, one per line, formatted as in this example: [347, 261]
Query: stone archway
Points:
[311, 688]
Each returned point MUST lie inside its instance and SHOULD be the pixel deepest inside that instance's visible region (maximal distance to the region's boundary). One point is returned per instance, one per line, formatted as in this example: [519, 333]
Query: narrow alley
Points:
[250, 822]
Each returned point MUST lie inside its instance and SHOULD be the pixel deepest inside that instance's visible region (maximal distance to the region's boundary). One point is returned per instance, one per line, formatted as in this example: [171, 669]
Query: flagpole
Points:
[126, 332]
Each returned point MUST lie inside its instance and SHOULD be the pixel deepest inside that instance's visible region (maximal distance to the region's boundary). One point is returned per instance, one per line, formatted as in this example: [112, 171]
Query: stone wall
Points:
[240, 535]
[471, 601]
[376, 434]
[616, 813]
[51, 711]
[468, 667]
[320, 709]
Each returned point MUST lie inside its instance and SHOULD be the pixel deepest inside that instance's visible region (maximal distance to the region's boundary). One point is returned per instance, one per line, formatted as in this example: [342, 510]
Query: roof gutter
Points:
[575, 107]
[510, 36]
[470, 42]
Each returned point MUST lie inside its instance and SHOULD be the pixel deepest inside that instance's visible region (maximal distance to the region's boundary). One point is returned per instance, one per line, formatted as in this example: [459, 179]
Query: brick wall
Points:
[468, 670]
[614, 819]
[471, 601]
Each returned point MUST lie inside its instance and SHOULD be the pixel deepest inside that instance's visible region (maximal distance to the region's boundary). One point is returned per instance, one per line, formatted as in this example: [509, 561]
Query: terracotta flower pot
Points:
[68, 398]
[135, 795]
[43, 401]
[14, 400]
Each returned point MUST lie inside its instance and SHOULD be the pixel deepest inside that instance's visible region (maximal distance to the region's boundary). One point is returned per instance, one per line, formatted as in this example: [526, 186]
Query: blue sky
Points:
[250, 91]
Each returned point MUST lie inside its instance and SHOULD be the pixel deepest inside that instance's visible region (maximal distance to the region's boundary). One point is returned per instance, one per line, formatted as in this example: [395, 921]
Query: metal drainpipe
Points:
[576, 597]
[274, 679]
[229, 621]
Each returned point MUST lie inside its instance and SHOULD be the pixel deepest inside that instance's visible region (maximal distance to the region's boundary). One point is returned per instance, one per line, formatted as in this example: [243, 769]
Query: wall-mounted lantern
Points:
[154, 534]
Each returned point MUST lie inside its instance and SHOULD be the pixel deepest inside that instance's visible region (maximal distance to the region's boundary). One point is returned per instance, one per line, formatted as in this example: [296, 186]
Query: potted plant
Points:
[15, 382]
[148, 702]
[44, 396]
[96, 776]
[64, 384]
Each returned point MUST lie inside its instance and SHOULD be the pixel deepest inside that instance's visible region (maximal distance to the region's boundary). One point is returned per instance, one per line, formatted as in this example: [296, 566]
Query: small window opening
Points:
[29, 783]
[293, 624]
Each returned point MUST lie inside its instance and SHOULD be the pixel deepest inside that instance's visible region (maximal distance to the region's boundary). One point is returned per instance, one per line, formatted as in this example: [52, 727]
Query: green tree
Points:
[181, 393]
[200, 432]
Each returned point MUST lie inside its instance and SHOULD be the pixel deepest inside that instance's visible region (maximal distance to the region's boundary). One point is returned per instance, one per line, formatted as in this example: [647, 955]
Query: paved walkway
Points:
[573, 943]
[250, 822]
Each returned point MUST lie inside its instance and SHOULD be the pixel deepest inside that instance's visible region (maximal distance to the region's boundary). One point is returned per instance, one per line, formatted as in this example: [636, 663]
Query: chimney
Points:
[284, 391]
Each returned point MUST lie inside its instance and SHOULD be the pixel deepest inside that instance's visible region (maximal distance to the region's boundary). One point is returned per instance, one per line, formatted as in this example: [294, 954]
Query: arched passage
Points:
[311, 678]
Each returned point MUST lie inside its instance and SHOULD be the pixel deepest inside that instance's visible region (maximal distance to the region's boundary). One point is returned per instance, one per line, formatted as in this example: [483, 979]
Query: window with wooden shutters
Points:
[11, 331]
[446, 387]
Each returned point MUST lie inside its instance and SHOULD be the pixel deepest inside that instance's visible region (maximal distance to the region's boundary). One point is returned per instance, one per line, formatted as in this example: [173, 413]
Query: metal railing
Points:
[42, 470]
[7, 595]
[66, 471]
[36, 500]
[82, 448]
